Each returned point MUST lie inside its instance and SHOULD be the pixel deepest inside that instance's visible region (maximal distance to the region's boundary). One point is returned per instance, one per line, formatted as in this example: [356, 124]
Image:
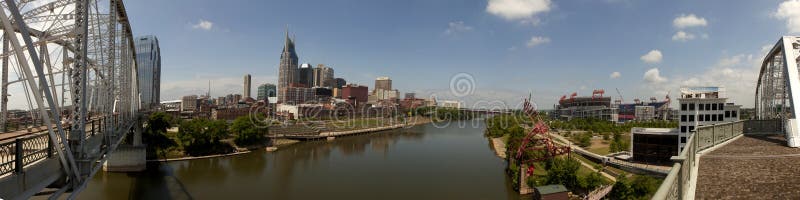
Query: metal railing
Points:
[676, 184]
[16, 153]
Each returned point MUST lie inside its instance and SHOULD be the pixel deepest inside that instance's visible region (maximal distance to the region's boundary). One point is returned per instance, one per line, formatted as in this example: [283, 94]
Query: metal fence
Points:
[16, 153]
[677, 181]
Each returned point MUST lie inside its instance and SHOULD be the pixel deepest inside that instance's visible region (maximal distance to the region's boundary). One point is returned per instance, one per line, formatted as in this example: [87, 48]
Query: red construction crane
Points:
[538, 139]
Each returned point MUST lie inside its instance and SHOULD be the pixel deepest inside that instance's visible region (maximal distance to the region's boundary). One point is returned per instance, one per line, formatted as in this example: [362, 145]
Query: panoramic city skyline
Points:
[418, 99]
[568, 39]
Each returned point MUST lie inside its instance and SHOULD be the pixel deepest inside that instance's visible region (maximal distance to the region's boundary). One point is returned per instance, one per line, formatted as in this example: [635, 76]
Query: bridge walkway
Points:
[751, 167]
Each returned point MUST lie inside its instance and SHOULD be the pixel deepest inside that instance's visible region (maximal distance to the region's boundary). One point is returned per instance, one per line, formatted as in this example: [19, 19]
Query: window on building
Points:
[733, 113]
[691, 118]
[683, 129]
[683, 139]
[727, 114]
[721, 106]
[691, 106]
[700, 118]
[719, 117]
[713, 106]
[708, 106]
[701, 107]
[708, 117]
[691, 128]
[713, 118]
[683, 106]
[683, 118]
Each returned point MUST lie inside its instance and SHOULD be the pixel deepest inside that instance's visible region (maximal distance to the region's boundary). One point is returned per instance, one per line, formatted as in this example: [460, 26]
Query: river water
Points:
[421, 162]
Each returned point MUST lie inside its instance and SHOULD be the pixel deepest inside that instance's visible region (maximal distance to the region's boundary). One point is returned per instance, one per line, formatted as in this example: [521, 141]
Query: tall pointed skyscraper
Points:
[287, 71]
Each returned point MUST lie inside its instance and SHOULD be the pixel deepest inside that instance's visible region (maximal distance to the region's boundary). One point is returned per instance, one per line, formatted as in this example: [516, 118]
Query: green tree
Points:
[640, 187]
[622, 189]
[202, 137]
[563, 171]
[155, 133]
[247, 133]
[593, 180]
[585, 139]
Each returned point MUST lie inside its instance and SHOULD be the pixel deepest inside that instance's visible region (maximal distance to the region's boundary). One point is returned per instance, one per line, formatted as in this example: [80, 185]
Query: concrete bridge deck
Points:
[751, 167]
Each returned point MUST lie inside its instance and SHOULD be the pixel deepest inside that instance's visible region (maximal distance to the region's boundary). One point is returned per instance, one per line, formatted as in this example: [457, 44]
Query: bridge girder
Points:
[97, 62]
[778, 87]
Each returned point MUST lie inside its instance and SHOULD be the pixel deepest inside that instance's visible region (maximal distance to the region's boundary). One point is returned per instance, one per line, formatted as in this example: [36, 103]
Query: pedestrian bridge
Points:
[71, 65]
[752, 159]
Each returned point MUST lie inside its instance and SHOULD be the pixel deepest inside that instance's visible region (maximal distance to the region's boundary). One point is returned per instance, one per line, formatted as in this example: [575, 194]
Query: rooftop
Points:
[550, 189]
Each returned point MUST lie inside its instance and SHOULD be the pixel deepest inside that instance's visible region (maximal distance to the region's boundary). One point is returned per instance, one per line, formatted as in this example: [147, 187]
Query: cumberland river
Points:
[423, 162]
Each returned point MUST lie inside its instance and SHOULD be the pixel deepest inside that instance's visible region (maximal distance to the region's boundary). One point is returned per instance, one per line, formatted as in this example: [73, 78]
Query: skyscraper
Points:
[339, 83]
[306, 75]
[148, 59]
[323, 76]
[287, 70]
[384, 83]
[266, 90]
[246, 91]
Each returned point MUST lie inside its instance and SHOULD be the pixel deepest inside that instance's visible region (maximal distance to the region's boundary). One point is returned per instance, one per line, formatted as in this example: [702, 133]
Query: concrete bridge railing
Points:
[682, 177]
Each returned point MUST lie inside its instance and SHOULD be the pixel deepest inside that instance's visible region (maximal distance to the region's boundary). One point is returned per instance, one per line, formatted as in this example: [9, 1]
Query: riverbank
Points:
[280, 142]
[499, 146]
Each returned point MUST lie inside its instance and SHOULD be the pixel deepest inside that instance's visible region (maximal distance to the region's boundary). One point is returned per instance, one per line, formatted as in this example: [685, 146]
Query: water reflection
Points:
[422, 162]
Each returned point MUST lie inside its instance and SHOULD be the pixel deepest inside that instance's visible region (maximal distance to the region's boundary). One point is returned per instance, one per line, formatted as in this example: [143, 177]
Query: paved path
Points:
[751, 167]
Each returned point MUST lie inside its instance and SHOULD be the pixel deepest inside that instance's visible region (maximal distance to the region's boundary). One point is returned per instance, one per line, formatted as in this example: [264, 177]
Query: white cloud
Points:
[537, 40]
[457, 27]
[203, 25]
[737, 73]
[653, 76]
[614, 75]
[682, 36]
[654, 56]
[690, 20]
[525, 10]
[790, 11]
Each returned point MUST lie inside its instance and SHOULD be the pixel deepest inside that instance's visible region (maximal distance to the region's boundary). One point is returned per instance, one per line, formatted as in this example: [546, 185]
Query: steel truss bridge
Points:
[69, 67]
[778, 87]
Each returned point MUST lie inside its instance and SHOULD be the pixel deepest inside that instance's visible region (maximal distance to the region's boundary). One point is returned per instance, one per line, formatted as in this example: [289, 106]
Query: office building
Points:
[306, 75]
[299, 95]
[701, 106]
[323, 76]
[265, 91]
[287, 70]
[339, 83]
[189, 103]
[148, 59]
[355, 94]
[247, 87]
[654, 145]
[383, 83]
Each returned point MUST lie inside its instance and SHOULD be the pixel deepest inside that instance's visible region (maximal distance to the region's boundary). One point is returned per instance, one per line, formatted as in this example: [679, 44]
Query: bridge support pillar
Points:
[127, 158]
[792, 134]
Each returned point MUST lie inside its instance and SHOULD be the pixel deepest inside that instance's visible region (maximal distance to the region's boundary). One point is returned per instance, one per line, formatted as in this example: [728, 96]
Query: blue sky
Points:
[509, 47]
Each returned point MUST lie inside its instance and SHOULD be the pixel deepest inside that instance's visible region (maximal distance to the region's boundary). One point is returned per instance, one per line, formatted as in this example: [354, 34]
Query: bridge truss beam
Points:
[90, 44]
[778, 87]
